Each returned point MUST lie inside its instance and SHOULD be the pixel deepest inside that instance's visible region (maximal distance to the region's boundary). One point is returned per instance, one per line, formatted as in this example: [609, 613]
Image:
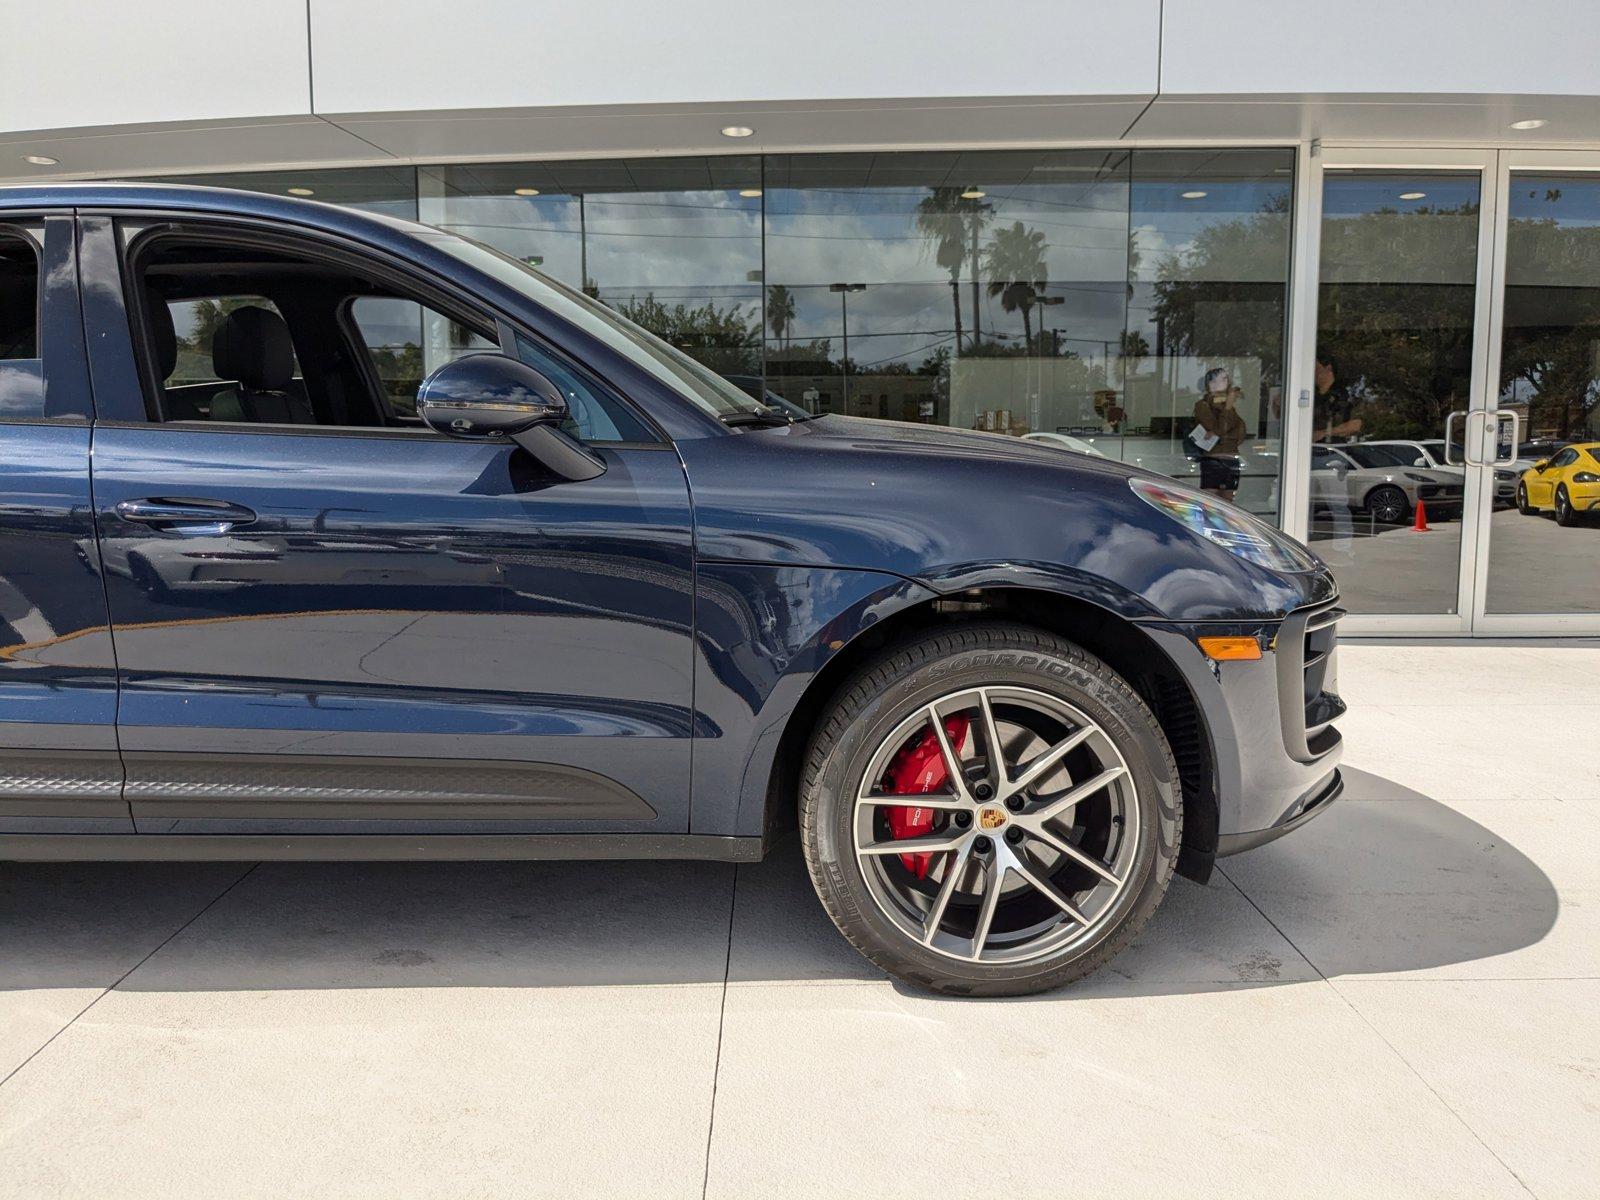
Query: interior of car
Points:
[240, 333]
[249, 334]
[19, 298]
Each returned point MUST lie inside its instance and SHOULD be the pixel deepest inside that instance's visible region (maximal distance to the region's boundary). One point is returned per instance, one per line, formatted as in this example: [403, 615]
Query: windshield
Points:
[1378, 456]
[668, 364]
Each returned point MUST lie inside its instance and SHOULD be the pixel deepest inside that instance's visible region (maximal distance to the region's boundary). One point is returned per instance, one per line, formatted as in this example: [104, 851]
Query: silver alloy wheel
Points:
[1388, 505]
[1035, 837]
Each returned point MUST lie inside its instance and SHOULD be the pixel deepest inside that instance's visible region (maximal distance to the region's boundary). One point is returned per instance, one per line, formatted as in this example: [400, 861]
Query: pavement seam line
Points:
[1378, 1033]
[205, 908]
[722, 1016]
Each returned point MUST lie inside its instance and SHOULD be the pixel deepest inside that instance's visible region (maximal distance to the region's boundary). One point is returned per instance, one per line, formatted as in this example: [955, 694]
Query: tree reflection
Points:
[953, 220]
[1014, 262]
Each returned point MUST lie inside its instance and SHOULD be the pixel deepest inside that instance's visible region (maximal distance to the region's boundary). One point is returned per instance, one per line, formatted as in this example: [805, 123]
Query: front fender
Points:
[762, 634]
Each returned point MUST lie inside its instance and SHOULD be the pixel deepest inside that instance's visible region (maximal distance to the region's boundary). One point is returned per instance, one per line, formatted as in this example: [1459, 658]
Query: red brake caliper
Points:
[916, 770]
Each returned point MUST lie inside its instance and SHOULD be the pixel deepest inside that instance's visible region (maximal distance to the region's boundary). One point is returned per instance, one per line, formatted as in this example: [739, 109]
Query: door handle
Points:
[186, 515]
[1449, 442]
[1483, 436]
[1507, 414]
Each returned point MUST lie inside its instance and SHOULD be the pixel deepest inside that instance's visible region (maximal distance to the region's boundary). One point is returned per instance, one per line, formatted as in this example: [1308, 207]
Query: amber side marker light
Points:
[1231, 649]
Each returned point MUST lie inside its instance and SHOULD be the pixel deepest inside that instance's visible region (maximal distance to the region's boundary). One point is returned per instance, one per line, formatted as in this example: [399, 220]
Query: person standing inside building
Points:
[1216, 413]
[1332, 418]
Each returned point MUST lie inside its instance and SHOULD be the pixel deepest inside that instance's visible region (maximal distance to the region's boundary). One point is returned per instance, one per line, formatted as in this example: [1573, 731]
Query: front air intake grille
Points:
[1308, 694]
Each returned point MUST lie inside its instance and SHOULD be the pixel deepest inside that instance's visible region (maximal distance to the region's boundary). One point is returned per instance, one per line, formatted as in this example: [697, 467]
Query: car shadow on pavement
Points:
[1372, 887]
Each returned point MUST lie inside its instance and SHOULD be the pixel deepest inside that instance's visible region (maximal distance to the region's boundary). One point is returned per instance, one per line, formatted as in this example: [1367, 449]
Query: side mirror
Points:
[490, 397]
[1422, 462]
[1541, 464]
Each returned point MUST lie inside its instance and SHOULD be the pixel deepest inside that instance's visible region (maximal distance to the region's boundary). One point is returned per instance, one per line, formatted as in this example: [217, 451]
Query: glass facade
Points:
[1131, 302]
[1550, 377]
[1397, 293]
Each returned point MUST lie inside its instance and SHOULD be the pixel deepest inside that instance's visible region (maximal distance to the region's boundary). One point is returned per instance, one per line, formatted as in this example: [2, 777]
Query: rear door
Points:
[368, 627]
[59, 771]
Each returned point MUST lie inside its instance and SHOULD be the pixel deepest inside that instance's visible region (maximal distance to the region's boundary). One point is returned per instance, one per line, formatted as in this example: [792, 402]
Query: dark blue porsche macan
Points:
[276, 581]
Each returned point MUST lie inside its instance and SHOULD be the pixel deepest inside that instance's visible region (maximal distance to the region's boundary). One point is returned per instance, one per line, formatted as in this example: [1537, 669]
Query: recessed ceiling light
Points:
[749, 193]
[1194, 195]
[974, 194]
[527, 191]
[1412, 195]
[301, 191]
[1533, 123]
[737, 131]
[40, 160]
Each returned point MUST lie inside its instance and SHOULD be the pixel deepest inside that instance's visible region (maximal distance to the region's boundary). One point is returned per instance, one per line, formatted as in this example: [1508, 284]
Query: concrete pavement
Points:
[1397, 1000]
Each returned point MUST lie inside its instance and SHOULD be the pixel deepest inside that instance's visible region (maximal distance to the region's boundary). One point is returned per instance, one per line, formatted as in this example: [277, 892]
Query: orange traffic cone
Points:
[1420, 525]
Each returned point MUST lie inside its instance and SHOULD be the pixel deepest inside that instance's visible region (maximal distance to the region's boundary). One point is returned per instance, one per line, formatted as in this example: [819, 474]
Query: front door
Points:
[1402, 302]
[329, 619]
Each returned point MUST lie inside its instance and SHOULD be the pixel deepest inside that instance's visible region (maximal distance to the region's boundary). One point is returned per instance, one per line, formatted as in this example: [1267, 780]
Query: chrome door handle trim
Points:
[217, 516]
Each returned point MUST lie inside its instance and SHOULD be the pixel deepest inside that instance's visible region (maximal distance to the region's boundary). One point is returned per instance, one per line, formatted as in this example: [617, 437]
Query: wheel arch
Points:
[1125, 647]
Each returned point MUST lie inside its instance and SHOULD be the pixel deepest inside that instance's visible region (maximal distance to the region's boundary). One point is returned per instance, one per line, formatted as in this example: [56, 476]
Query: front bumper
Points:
[1273, 749]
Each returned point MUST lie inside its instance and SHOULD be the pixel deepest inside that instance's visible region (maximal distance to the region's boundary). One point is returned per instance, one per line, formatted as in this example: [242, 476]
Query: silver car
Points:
[1382, 482]
[1432, 454]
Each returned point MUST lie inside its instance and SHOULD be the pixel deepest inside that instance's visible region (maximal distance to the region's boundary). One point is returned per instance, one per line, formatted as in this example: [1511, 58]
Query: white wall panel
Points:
[71, 63]
[388, 55]
[1464, 47]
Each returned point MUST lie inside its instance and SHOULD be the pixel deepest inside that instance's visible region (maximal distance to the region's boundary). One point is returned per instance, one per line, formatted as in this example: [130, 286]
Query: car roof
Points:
[171, 197]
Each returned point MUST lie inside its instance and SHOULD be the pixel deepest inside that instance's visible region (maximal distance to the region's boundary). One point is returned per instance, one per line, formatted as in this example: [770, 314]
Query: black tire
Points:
[1523, 506]
[1565, 513]
[1388, 505]
[872, 704]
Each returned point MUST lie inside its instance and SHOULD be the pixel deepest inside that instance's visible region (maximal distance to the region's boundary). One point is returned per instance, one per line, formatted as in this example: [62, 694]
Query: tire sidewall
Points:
[997, 661]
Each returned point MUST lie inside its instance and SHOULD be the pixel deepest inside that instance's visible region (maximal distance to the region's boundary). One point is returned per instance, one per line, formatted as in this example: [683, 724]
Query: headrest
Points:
[163, 335]
[252, 345]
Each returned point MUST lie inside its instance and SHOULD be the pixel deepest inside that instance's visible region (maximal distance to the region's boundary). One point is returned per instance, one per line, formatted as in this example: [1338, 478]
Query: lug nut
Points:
[963, 820]
[1014, 803]
[1013, 835]
[982, 845]
[983, 791]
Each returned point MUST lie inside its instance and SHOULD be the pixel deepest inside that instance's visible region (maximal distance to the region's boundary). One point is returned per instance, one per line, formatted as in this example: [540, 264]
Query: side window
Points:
[194, 324]
[594, 416]
[406, 341]
[1565, 459]
[21, 371]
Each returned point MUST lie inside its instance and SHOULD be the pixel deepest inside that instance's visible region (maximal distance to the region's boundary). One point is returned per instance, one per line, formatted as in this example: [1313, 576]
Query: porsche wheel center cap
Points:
[991, 818]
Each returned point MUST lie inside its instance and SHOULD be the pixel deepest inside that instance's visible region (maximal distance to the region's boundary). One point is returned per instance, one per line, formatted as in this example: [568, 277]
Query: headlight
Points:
[1415, 478]
[1235, 530]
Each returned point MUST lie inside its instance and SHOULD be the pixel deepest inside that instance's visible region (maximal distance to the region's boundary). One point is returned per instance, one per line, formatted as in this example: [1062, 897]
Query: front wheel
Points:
[989, 810]
[1523, 506]
[1388, 506]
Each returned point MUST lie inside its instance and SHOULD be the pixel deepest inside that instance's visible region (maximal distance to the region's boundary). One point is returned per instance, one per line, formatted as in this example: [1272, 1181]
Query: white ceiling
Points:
[195, 86]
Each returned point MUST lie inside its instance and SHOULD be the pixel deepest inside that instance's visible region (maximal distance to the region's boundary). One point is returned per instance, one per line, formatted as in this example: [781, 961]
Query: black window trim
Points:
[137, 230]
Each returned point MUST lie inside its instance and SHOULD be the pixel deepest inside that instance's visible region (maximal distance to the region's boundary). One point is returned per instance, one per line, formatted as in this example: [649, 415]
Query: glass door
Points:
[1405, 256]
[1539, 532]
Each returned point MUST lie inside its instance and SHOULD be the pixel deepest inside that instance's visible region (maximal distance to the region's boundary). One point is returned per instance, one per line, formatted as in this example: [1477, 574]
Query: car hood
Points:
[955, 509]
[968, 444]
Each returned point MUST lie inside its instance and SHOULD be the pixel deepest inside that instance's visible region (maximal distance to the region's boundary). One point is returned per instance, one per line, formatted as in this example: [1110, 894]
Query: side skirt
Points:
[199, 847]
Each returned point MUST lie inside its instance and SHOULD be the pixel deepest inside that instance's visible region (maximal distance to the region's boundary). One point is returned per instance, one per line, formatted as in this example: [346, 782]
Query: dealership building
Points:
[1341, 261]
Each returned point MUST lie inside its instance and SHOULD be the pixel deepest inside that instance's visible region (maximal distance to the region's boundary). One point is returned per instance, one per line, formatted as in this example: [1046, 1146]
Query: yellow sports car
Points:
[1568, 481]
